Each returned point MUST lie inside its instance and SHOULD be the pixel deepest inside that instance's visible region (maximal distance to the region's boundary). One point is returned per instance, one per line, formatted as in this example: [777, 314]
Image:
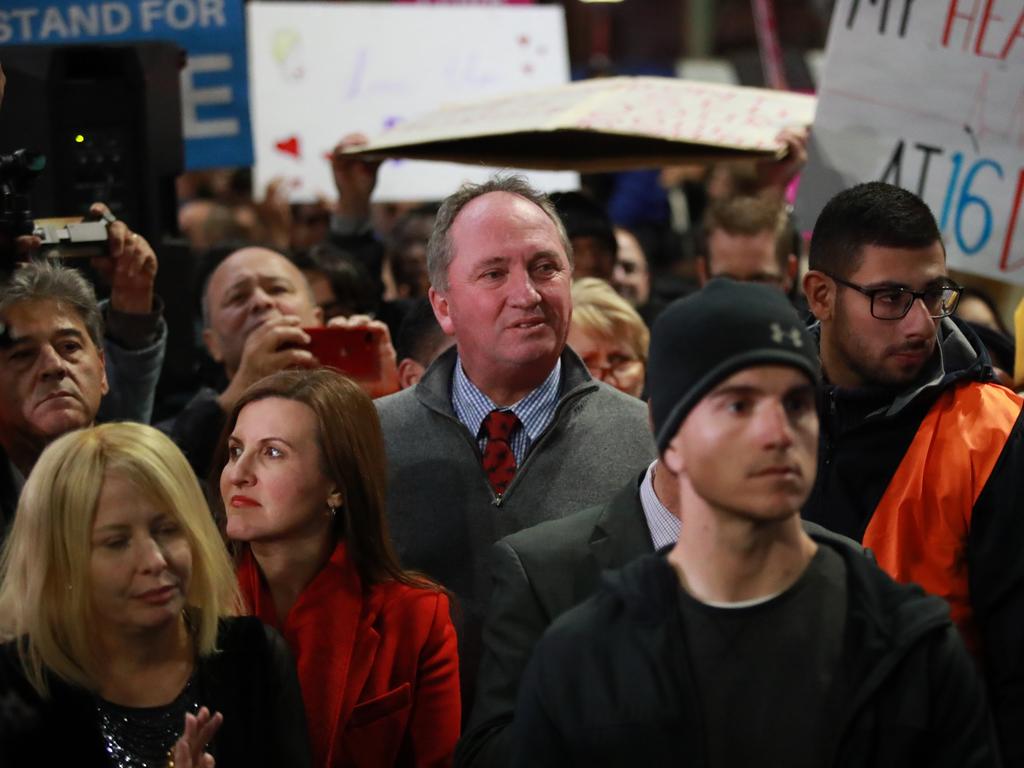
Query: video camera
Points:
[18, 171]
[61, 237]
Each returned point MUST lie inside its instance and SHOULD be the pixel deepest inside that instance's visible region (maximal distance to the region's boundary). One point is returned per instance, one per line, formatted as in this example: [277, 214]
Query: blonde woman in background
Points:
[117, 598]
[609, 335]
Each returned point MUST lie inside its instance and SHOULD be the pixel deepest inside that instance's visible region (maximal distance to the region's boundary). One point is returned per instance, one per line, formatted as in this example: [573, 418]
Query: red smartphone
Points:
[353, 351]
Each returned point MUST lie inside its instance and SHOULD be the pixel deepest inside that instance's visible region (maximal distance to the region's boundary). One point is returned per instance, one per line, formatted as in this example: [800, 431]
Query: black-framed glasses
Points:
[894, 302]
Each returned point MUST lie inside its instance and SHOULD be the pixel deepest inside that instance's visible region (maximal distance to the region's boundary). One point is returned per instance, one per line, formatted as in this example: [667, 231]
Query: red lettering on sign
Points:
[1018, 31]
[986, 31]
[986, 17]
[953, 15]
[1011, 226]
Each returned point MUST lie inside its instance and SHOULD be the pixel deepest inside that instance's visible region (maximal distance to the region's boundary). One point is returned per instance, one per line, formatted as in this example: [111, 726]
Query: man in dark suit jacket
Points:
[540, 573]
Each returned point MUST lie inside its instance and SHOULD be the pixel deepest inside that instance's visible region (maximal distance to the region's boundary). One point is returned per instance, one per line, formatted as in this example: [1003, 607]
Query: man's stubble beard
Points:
[871, 373]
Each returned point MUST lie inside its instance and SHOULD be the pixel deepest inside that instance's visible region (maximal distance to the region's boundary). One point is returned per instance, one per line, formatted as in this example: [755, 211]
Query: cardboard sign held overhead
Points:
[603, 125]
[322, 70]
[930, 97]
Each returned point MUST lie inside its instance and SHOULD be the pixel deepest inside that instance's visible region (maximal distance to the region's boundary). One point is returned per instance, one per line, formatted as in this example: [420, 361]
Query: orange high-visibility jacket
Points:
[919, 529]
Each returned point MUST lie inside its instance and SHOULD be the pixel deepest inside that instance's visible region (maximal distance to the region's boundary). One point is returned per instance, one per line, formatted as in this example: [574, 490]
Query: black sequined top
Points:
[142, 737]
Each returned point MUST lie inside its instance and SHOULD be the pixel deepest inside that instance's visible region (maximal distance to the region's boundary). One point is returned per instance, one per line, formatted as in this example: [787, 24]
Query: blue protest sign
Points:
[214, 84]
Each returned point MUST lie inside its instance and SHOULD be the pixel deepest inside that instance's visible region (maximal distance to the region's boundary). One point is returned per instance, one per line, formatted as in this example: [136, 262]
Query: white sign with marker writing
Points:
[319, 71]
[929, 96]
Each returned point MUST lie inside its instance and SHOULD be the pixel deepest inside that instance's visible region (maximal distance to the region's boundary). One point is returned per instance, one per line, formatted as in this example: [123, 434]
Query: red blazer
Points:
[379, 670]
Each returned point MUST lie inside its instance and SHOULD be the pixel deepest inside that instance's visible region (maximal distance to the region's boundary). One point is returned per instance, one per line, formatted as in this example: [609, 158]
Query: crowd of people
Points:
[611, 495]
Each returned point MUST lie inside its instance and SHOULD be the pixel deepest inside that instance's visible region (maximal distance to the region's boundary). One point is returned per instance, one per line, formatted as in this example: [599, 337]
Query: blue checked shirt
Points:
[663, 525]
[535, 411]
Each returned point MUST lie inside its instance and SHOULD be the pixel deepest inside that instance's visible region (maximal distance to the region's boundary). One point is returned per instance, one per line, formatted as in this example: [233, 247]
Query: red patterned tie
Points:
[499, 461]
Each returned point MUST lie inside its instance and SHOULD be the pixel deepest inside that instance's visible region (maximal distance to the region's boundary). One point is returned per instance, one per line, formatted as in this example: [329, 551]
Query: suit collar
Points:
[620, 533]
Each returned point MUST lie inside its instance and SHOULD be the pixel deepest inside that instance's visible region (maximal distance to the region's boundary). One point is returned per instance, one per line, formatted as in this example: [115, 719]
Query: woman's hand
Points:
[190, 750]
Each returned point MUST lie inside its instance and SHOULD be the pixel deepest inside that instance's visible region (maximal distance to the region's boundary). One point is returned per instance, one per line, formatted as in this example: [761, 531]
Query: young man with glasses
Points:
[921, 453]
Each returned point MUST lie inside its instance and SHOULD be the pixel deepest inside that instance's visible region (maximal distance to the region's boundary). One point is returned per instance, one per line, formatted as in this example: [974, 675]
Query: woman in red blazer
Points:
[303, 485]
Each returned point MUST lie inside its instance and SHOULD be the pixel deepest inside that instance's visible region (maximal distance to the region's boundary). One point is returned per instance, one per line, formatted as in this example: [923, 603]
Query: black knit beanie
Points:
[709, 335]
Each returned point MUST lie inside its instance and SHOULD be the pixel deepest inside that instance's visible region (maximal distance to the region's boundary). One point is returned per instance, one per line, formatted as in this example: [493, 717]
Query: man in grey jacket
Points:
[507, 429]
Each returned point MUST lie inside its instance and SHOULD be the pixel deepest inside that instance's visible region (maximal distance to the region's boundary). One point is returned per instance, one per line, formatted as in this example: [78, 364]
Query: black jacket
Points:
[864, 435]
[539, 574]
[250, 680]
[609, 684]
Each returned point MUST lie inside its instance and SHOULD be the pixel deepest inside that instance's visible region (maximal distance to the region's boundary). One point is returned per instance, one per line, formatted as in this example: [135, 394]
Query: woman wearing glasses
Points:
[609, 335]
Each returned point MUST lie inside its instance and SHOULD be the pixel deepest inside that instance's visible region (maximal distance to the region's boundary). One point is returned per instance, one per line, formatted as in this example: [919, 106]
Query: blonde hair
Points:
[45, 589]
[598, 309]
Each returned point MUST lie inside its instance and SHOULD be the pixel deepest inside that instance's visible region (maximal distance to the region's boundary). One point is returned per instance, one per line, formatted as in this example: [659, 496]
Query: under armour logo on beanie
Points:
[796, 338]
[499, 461]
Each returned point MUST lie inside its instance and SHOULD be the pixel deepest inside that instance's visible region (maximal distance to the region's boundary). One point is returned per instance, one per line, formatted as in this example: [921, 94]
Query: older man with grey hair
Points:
[67, 360]
[506, 429]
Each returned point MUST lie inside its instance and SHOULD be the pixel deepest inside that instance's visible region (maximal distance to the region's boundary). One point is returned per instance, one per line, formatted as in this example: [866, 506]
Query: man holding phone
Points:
[258, 311]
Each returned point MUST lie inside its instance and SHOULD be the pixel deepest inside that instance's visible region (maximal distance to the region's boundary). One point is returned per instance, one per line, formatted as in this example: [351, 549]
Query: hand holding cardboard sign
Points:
[354, 178]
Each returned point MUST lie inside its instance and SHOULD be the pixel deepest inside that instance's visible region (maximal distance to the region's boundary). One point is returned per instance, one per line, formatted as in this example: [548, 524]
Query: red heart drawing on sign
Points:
[289, 146]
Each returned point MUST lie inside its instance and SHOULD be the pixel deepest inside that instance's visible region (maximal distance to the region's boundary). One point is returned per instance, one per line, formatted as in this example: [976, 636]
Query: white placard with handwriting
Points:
[929, 96]
[320, 70]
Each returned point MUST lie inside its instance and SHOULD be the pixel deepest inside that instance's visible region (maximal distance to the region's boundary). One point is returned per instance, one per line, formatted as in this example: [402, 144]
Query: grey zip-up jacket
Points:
[443, 514]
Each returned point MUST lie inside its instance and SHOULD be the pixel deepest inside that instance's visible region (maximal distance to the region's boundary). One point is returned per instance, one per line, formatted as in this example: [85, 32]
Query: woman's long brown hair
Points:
[352, 456]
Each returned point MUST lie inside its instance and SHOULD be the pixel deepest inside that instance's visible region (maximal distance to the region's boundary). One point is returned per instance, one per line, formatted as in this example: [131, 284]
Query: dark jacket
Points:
[196, 430]
[609, 684]
[250, 680]
[539, 574]
[864, 436]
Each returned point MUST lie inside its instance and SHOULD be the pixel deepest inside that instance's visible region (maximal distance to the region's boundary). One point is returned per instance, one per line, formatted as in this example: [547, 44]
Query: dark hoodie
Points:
[865, 432]
[864, 436]
[610, 684]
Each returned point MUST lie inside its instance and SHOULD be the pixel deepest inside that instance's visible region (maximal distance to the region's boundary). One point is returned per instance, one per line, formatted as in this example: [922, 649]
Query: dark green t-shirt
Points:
[766, 673]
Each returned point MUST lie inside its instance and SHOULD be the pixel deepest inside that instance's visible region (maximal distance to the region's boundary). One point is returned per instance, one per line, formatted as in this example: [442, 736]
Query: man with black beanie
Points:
[748, 642]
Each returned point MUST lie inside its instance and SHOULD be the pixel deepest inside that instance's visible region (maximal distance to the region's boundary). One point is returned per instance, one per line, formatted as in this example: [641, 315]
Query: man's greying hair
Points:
[440, 250]
[874, 213]
[43, 280]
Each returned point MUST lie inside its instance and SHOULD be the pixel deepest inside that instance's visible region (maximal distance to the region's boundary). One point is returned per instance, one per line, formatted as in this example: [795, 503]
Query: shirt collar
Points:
[534, 411]
[663, 525]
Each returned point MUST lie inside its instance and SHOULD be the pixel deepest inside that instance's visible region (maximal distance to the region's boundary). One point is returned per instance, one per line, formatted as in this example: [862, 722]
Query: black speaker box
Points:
[108, 119]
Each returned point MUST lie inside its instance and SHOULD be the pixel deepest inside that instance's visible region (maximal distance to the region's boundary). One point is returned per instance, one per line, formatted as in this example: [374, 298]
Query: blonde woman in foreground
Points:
[116, 607]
